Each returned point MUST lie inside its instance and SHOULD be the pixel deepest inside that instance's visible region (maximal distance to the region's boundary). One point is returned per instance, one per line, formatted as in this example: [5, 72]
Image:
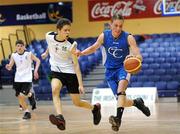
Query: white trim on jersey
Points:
[104, 55]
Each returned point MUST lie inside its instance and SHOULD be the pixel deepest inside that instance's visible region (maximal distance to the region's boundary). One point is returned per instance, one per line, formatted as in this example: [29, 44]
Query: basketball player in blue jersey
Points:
[65, 71]
[23, 76]
[116, 48]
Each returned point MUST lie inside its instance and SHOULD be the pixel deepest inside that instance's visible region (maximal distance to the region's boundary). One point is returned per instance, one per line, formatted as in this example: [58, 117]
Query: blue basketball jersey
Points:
[115, 50]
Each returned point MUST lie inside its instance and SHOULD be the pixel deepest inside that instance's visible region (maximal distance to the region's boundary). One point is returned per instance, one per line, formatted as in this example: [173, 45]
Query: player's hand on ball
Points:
[129, 56]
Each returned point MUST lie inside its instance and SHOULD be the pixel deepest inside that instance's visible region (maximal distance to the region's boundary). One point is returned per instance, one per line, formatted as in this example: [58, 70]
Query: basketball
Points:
[132, 65]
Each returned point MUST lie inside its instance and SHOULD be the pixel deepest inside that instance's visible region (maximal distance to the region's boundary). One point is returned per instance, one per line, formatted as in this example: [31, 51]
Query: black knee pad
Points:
[122, 93]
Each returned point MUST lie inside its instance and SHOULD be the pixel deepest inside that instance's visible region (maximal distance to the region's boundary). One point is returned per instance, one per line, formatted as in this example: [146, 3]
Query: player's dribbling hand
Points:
[129, 56]
[8, 67]
[81, 90]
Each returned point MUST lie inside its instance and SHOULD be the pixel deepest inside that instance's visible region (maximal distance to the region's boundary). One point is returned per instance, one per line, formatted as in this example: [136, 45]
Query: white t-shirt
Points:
[23, 67]
[60, 55]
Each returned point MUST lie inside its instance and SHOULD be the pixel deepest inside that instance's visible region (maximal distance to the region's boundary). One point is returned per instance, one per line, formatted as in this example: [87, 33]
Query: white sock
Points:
[26, 111]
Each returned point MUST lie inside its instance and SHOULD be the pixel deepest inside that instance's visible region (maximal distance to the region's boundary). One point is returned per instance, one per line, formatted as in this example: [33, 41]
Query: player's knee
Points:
[55, 91]
[21, 96]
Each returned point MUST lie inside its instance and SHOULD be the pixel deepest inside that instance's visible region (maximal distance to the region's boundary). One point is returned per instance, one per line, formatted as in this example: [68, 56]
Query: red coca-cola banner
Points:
[104, 9]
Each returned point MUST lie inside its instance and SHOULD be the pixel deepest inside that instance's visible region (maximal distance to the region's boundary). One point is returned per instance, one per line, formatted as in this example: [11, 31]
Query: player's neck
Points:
[21, 53]
[116, 36]
[59, 38]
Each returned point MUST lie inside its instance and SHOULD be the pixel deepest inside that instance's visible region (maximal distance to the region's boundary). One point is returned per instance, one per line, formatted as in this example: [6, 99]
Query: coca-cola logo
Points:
[139, 8]
[106, 10]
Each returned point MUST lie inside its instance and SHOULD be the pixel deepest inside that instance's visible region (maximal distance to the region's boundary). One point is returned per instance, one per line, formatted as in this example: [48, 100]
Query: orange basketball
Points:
[132, 65]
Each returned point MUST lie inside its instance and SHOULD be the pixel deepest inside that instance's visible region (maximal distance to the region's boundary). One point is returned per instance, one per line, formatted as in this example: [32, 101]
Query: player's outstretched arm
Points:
[38, 62]
[95, 46]
[45, 54]
[134, 48]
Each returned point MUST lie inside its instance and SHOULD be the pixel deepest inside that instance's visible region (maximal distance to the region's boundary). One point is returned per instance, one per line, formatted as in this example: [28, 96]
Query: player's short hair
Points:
[62, 22]
[117, 17]
[20, 42]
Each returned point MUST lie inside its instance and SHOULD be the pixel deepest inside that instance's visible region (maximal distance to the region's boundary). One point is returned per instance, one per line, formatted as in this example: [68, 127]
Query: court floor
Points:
[165, 119]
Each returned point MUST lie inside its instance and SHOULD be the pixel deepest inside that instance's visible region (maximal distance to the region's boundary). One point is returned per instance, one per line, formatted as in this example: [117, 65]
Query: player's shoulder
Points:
[50, 34]
[13, 54]
[27, 52]
[107, 31]
[126, 33]
[70, 40]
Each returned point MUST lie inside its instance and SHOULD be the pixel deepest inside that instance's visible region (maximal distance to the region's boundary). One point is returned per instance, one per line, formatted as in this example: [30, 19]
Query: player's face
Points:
[20, 48]
[116, 27]
[64, 32]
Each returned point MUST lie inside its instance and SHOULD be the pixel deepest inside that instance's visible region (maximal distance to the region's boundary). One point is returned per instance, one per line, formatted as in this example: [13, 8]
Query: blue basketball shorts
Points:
[113, 76]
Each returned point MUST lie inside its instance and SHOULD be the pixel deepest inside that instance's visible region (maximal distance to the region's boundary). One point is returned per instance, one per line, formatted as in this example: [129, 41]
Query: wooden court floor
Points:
[165, 119]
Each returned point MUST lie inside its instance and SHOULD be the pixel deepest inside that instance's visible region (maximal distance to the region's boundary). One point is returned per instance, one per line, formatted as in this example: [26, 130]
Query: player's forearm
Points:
[38, 62]
[89, 50]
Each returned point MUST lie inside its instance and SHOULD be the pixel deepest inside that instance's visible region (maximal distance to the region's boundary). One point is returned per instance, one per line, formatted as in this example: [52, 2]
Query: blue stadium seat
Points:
[159, 40]
[155, 35]
[154, 66]
[145, 55]
[148, 60]
[144, 45]
[173, 85]
[136, 84]
[170, 49]
[159, 60]
[165, 66]
[169, 39]
[154, 78]
[165, 54]
[141, 50]
[160, 72]
[154, 55]
[176, 65]
[133, 79]
[165, 44]
[83, 67]
[172, 71]
[177, 39]
[161, 85]
[166, 78]
[160, 49]
[149, 84]
[165, 35]
[148, 72]
[142, 78]
[145, 66]
[149, 50]
[171, 60]
[149, 41]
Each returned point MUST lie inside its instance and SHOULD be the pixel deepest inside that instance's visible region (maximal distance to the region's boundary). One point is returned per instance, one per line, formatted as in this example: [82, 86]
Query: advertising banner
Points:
[130, 9]
[34, 13]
